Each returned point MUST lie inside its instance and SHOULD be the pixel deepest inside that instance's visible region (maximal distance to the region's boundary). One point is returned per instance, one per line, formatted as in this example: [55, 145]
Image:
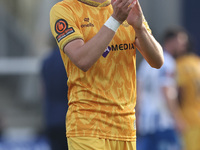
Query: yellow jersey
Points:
[188, 71]
[102, 100]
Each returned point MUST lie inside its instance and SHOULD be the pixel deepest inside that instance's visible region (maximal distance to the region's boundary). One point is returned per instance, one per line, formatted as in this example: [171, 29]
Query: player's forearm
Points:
[170, 94]
[86, 55]
[149, 47]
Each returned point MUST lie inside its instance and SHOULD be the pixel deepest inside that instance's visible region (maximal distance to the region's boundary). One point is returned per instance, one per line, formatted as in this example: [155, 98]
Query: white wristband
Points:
[112, 24]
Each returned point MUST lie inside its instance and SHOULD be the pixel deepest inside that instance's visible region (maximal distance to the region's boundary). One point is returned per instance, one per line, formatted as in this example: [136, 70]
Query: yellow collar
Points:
[95, 4]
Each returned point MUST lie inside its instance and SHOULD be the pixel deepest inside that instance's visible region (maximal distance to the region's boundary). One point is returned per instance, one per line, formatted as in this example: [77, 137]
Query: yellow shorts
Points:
[89, 143]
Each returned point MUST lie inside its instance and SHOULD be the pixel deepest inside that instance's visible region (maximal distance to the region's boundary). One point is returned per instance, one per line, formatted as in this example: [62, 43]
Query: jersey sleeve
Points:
[181, 74]
[64, 25]
[146, 25]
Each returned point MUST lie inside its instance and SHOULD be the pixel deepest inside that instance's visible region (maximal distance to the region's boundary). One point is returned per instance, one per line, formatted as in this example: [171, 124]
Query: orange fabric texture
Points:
[87, 143]
[101, 100]
[188, 71]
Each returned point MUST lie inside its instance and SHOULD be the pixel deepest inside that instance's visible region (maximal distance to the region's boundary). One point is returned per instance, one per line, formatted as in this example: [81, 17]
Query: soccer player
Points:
[98, 41]
[188, 76]
[159, 115]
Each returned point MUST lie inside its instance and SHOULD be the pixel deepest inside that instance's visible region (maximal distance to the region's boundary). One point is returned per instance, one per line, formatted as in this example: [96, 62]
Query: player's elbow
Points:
[158, 64]
[84, 66]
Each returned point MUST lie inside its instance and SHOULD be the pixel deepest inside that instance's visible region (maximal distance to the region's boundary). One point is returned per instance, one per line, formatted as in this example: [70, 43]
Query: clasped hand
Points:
[129, 10]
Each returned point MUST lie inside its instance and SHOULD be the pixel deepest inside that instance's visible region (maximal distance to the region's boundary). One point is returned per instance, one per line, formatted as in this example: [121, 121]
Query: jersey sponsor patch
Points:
[106, 51]
[61, 28]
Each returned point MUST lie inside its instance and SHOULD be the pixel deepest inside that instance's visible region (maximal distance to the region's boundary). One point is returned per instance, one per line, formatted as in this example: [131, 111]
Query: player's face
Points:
[182, 43]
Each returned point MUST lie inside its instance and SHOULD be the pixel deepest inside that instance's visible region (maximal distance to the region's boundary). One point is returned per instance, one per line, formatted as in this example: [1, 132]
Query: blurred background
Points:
[25, 40]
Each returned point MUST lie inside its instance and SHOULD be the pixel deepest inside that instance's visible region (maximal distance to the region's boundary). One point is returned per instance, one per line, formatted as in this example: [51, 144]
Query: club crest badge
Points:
[61, 28]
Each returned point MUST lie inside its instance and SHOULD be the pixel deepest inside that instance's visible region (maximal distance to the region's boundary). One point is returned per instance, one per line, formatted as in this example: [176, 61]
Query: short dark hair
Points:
[172, 33]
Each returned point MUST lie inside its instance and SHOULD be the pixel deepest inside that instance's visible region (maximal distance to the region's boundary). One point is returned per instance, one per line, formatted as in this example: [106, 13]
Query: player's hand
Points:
[121, 9]
[135, 16]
